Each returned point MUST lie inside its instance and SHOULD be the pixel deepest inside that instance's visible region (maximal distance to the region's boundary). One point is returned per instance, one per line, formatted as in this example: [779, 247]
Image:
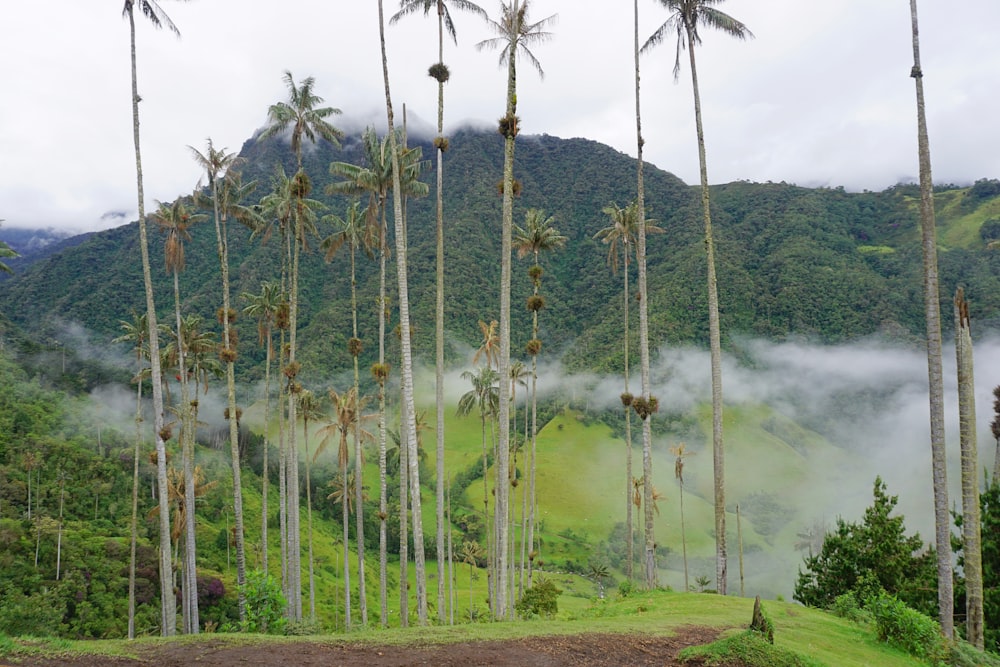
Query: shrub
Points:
[905, 628]
[265, 604]
[540, 599]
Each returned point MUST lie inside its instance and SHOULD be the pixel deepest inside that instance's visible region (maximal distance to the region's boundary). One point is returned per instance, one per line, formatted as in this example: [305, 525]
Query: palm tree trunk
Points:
[439, 330]
[133, 527]
[228, 344]
[309, 522]
[404, 539]
[971, 524]
[359, 516]
[935, 375]
[267, 445]
[383, 506]
[407, 357]
[344, 518]
[715, 344]
[630, 542]
[168, 606]
[292, 465]
[188, 578]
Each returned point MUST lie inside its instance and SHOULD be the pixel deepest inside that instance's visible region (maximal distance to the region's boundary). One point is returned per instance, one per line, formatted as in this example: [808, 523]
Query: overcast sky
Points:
[822, 96]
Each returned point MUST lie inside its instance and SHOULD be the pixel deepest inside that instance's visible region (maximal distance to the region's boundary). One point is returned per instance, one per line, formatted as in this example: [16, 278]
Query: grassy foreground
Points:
[824, 638]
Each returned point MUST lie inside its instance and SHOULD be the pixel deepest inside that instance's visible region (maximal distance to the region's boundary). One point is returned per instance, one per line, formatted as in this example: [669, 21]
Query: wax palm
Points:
[685, 18]
[309, 409]
[537, 236]
[136, 332]
[515, 34]
[484, 395]
[168, 623]
[935, 374]
[439, 72]
[620, 237]
[264, 308]
[218, 164]
[488, 347]
[680, 453]
[290, 206]
[345, 415]
[175, 221]
[302, 114]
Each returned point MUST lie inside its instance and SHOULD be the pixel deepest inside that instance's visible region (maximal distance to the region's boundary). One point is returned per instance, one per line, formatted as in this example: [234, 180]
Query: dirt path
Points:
[589, 650]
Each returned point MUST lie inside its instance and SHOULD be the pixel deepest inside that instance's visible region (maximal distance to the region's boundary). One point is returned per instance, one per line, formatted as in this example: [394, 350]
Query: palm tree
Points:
[485, 395]
[346, 417]
[972, 552]
[685, 17]
[537, 236]
[168, 621]
[309, 410]
[135, 332]
[408, 408]
[175, 220]
[621, 235]
[306, 118]
[515, 34]
[264, 308]
[680, 453]
[649, 548]
[439, 72]
[353, 231]
[935, 374]
[217, 164]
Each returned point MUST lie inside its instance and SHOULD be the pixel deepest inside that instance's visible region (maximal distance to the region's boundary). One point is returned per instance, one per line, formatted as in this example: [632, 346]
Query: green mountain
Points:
[792, 261]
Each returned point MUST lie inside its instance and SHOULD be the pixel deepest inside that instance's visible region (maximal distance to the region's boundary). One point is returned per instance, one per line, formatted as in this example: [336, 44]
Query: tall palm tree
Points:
[175, 220]
[439, 72]
[537, 236]
[972, 551]
[309, 410]
[376, 180]
[264, 308]
[685, 17]
[305, 118]
[409, 409]
[620, 237]
[515, 34]
[484, 395]
[353, 231]
[135, 332]
[345, 420]
[935, 374]
[168, 621]
[217, 164]
[649, 547]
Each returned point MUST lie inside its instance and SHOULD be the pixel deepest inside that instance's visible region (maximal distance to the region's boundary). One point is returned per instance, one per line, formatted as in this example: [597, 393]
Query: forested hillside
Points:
[792, 261]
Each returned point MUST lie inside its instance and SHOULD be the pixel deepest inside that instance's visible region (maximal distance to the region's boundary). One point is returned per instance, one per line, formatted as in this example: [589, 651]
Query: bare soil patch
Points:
[586, 650]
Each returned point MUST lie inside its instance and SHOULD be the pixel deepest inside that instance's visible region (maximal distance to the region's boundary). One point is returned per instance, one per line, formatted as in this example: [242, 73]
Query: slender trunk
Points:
[62, 496]
[283, 481]
[168, 605]
[359, 515]
[133, 527]
[684, 546]
[971, 525]
[935, 375]
[647, 431]
[265, 485]
[630, 542]
[451, 566]
[714, 337]
[439, 330]
[502, 489]
[309, 522]
[404, 539]
[187, 435]
[739, 544]
[292, 464]
[229, 347]
[344, 519]
[383, 502]
[407, 359]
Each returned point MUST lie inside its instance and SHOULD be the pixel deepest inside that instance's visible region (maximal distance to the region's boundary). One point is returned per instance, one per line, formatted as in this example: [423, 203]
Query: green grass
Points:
[825, 639]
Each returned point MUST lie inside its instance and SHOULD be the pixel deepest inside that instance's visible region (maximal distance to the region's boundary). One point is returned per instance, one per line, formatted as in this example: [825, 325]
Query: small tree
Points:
[540, 599]
[875, 553]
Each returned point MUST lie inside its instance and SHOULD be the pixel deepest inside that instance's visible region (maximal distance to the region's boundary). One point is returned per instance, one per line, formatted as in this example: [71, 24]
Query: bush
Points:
[747, 648]
[905, 628]
[539, 600]
[846, 606]
[265, 604]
